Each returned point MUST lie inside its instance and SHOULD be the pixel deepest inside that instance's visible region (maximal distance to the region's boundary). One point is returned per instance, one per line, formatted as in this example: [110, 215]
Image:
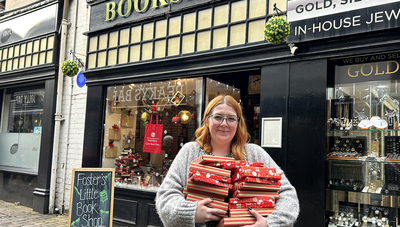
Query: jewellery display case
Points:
[363, 155]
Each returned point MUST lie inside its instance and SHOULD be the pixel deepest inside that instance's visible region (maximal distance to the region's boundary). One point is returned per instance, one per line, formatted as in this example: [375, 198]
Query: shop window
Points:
[159, 49]
[124, 36]
[49, 57]
[21, 128]
[50, 42]
[93, 43]
[21, 62]
[237, 34]
[43, 44]
[174, 26]
[28, 60]
[10, 52]
[35, 58]
[23, 48]
[123, 55]
[161, 28]
[220, 37]
[256, 31]
[36, 46]
[92, 60]
[257, 8]
[221, 15]
[27, 54]
[203, 41]
[173, 46]
[29, 48]
[42, 58]
[188, 44]
[363, 151]
[16, 51]
[113, 40]
[9, 65]
[101, 60]
[112, 57]
[5, 54]
[15, 63]
[128, 111]
[238, 11]
[147, 51]
[136, 33]
[148, 30]
[135, 53]
[204, 20]
[189, 22]
[103, 39]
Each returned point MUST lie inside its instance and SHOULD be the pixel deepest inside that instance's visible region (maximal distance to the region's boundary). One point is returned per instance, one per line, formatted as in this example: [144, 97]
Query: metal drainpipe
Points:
[58, 115]
[69, 118]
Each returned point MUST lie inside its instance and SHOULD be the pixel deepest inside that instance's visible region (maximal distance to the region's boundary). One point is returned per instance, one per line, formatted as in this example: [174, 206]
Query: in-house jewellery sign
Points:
[316, 19]
[106, 14]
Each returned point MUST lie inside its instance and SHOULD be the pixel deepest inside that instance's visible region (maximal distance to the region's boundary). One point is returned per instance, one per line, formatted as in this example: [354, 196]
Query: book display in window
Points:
[128, 166]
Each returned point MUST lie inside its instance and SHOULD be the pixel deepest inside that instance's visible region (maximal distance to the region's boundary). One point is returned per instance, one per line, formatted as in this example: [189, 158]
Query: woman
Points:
[223, 133]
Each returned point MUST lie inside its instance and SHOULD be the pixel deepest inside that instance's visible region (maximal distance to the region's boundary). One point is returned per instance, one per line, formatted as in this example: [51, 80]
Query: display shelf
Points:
[348, 208]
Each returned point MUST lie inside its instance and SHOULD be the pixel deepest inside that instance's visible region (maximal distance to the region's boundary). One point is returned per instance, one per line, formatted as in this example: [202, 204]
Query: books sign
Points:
[92, 197]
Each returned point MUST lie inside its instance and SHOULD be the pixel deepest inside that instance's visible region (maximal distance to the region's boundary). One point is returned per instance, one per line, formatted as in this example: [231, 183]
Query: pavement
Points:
[12, 215]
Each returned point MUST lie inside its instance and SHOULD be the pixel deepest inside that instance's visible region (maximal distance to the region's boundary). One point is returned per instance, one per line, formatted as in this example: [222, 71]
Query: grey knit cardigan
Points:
[175, 211]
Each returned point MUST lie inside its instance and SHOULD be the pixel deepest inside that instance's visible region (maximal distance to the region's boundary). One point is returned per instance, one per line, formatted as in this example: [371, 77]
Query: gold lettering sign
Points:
[373, 69]
[113, 10]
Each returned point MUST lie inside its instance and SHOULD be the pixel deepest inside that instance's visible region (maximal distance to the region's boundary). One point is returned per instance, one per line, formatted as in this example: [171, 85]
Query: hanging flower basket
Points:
[276, 30]
[69, 68]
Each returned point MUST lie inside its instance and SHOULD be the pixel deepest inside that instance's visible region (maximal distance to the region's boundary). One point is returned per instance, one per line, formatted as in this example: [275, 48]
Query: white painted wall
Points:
[74, 101]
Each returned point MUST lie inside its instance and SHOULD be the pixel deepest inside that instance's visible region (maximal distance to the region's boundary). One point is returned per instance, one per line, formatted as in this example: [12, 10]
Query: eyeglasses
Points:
[218, 119]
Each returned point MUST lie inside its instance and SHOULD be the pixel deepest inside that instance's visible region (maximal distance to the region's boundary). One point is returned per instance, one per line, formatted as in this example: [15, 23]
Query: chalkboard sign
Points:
[92, 197]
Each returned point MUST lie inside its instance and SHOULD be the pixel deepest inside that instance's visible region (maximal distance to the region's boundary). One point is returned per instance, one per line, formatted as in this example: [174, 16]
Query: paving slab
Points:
[12, 215]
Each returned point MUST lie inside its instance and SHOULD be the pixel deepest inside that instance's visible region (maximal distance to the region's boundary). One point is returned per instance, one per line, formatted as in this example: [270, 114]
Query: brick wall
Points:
[73, 108]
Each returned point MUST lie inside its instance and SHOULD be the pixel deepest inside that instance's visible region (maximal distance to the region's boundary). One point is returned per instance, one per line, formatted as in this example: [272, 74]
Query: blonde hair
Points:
[203, 136]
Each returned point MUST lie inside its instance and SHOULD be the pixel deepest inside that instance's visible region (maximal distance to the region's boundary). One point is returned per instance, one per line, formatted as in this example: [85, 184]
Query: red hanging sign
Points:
[153, 137]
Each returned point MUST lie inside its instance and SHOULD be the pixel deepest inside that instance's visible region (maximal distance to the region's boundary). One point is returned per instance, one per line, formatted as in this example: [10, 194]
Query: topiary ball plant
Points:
[69, 68]
[276, 30]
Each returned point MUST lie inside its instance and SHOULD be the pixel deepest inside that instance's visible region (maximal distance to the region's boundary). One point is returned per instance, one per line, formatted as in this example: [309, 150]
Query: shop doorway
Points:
[245, 88]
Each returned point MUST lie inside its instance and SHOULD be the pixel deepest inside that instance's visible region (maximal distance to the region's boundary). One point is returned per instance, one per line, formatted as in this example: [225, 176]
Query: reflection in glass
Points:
[21, 128]
[127, 114]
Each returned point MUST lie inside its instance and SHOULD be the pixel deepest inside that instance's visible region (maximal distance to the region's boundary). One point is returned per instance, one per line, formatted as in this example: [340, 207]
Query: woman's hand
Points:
[260, 220]
[205, 214]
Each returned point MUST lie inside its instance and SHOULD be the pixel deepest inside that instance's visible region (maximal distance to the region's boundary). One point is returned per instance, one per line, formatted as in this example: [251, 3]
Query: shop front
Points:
[170, 61]
[28, 73]
[164, 71]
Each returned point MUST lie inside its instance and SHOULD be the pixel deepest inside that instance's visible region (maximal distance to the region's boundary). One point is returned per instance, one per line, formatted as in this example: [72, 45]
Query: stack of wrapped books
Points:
[209, 182]
[235, 186]
[254, 186]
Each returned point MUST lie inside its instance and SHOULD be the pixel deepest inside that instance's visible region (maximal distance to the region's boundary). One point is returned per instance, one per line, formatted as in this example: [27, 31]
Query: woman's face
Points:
[222, 133]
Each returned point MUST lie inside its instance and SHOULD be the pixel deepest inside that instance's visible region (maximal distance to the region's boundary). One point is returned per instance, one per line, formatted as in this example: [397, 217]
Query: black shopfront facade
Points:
[29, 59]
[293, 87]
